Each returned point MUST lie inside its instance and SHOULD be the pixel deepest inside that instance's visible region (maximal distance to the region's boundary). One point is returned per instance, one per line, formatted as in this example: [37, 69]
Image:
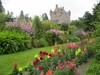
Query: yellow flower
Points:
[79, 50]
[36, 56]
[59, 50]
[76, 53]
[48, 56]
[20, 69]
[52, 50]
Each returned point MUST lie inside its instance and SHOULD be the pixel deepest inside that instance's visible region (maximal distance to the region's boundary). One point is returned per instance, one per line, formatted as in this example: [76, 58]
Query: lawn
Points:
[21, 58]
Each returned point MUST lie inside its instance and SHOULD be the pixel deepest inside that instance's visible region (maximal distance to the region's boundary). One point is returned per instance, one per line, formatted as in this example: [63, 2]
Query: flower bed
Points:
[61, 61]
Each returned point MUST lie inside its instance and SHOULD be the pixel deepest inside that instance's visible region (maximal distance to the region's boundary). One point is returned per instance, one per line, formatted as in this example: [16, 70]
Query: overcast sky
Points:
[38, 7]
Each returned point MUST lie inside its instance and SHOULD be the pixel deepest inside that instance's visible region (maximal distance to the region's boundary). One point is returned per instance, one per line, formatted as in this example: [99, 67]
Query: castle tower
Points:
[59, 15]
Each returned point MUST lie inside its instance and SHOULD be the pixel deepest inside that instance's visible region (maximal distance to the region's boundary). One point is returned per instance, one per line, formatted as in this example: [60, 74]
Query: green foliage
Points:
[21, 17]
[50, 38]
[73, 38]
[38, 27]
[93, 68]
[87, 19]
[64, 27]
[40, 42]
[96, 32]
[3, 19]
[64, 71]
[1, 7]
[46, 25]
[96, 12]
[78, 23]
[44, 16]
[72, 28]
[12, 41]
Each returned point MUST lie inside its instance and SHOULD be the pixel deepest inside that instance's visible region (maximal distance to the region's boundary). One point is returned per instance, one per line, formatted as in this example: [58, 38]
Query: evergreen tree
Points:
[21, 17]
[87, 20]
[44, 16]
[96, 12]
[1, 7]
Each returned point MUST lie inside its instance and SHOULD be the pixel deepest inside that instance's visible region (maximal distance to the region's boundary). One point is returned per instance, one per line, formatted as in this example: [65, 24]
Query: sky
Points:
[38, 7]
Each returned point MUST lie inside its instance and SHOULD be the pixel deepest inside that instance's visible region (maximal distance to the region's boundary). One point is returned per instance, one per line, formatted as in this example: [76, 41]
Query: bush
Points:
[64, 27]
[12, 41]
[50, 38]
[73, 38]
[40, 42]
[93, 68]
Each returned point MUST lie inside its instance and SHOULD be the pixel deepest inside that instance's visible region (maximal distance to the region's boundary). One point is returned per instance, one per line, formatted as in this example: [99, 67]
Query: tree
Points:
[96, 12]
[44, 16]
[96, 20]
[1, 7]
[38, 27]
[3, 19]
[87, 20]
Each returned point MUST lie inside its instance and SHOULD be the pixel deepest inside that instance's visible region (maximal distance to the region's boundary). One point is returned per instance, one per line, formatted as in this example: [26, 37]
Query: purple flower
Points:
[55, 31]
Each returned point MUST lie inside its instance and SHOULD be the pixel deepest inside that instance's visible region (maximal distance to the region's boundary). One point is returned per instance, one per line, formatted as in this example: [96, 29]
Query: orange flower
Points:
[14, 64]
[50, 72]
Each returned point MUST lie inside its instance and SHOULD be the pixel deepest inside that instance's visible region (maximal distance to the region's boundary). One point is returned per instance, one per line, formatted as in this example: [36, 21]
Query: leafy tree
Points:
[44, 16]
[1, 7]
[38, 27]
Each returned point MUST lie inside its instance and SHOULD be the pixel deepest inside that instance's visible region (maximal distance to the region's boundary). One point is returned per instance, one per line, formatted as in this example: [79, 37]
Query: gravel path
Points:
[82, 68]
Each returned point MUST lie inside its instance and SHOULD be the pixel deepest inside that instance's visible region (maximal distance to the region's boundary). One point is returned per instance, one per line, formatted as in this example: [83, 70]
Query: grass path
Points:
[21, 58]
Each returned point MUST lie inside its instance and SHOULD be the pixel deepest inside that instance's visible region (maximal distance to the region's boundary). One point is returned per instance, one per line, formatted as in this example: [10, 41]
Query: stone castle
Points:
[59, 15]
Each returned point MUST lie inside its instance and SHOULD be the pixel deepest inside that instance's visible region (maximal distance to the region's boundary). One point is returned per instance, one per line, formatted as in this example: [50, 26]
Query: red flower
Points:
[50, 55]
[34, 62]
[40, 52]
[14, 64]
[41, 68]
[59, 61]
[70, 45]
[41, 58]
[50, 72]
[61, 55]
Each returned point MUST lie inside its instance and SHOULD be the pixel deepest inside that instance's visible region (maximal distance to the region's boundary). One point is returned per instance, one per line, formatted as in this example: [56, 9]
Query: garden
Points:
[30, 46]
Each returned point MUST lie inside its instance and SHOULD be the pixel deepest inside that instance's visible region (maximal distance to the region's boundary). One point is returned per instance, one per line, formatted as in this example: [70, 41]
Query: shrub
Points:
[40, 42]
[50, 38]
[64, 27]
[73, 38]
[12, 41]
[93, 68]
